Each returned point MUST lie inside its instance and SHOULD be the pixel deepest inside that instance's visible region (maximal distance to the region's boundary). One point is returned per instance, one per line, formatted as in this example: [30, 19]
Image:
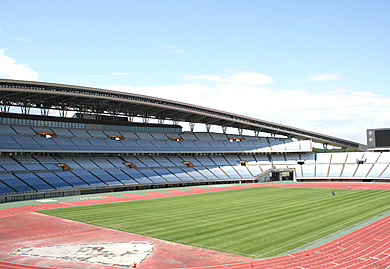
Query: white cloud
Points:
[96, 76]
[23, 39]
[12, 70]
[177, 51]
[340, 113]
[324, 77]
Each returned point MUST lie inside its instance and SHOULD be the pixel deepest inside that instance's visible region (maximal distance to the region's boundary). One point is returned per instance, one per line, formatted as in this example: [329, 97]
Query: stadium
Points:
[83, 157]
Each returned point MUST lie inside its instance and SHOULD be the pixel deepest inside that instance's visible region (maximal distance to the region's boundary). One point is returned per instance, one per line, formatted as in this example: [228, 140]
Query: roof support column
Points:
[45, 111]
[5, 108]
[176, 122]
[160, 121]
[240, 131]
[325, 147]
[224, 128]
[208, 127]
[145, 120]
[192, 126]
[25, 109]
[256, 133]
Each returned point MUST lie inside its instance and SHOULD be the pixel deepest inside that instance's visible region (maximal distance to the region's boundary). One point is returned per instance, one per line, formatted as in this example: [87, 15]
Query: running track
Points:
[368, 247]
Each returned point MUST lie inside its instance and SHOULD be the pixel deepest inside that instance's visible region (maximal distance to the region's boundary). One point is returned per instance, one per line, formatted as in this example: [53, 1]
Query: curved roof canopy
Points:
[46, 96]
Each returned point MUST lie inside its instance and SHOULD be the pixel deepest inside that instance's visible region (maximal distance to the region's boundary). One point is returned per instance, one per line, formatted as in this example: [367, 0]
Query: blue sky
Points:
[316, 65]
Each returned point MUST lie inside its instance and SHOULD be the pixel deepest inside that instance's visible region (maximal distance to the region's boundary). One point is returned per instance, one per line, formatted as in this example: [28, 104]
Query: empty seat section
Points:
[15, 182]
[62, 132]
[85, 163]
[10, 165]
[384, 158]
[83, 144]
[66, 144]
[335, 170]
[7, 130]
[292, 145]
[203, 146]
[247, 145]
[97, 134]
[175, 146]
[254, 169]
[218, 146]
[278, 160]
[35, 182]
[153, 176]
[310, 158]
[323, 157]
[205, 160]
[46, 143]
[218, 160]
[264, 162]
[377, 169]
[181, 174]
[80, 133]
[243, 172]
[135, 174]
[363, 170]
[147, 145]
[148, 161]
[193, 173]
[203, 136]
[277, 145]
[131, 145]
[48, 162]
[160, 136]
[161, 146]
[99, 144]
[232, 146]
[232, 159]
[68, 161]
[116, 145]
[105, 177]
[291, 159]
[24, 130]
[339, 158]
[72, 179]
[371, 157]
[306, 145]
[121, 176]
[115, 161]
[176, 160]
[349, 170]
[134, 160]
[353, 157]
[54, 180]
[231, 172]
[165, 173]
[129, 135]
[386, 173]
[164, 162]
[6, 142]
[192, 160]
[89, 178]
[218, 172]
[322, 170]
[102, 163]
[4, 189]
[188, 136]
[261, 146]
[308, 170]
[34, 167]
[27, 143]
[144, 136]
[218, 136]
[189, 146]
[206, 173]
[250, 159]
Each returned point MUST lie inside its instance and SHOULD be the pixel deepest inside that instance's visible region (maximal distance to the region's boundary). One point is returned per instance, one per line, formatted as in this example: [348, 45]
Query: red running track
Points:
[368, 247]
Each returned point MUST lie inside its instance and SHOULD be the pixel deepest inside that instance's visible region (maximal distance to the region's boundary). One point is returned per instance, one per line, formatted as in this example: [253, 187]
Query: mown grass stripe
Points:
[256, 222]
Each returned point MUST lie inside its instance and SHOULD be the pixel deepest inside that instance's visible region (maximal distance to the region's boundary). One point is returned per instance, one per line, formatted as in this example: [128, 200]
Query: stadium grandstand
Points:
[101, 140]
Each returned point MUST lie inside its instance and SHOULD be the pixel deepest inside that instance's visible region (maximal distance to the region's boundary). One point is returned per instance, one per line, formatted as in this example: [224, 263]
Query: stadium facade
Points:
[95, 145]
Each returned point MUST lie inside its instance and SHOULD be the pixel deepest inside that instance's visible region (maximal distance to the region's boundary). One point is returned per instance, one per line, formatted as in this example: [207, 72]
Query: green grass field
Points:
[256, 222]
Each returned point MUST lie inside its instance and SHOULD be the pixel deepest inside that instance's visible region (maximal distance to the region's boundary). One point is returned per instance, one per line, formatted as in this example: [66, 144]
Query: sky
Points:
[323, 66]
